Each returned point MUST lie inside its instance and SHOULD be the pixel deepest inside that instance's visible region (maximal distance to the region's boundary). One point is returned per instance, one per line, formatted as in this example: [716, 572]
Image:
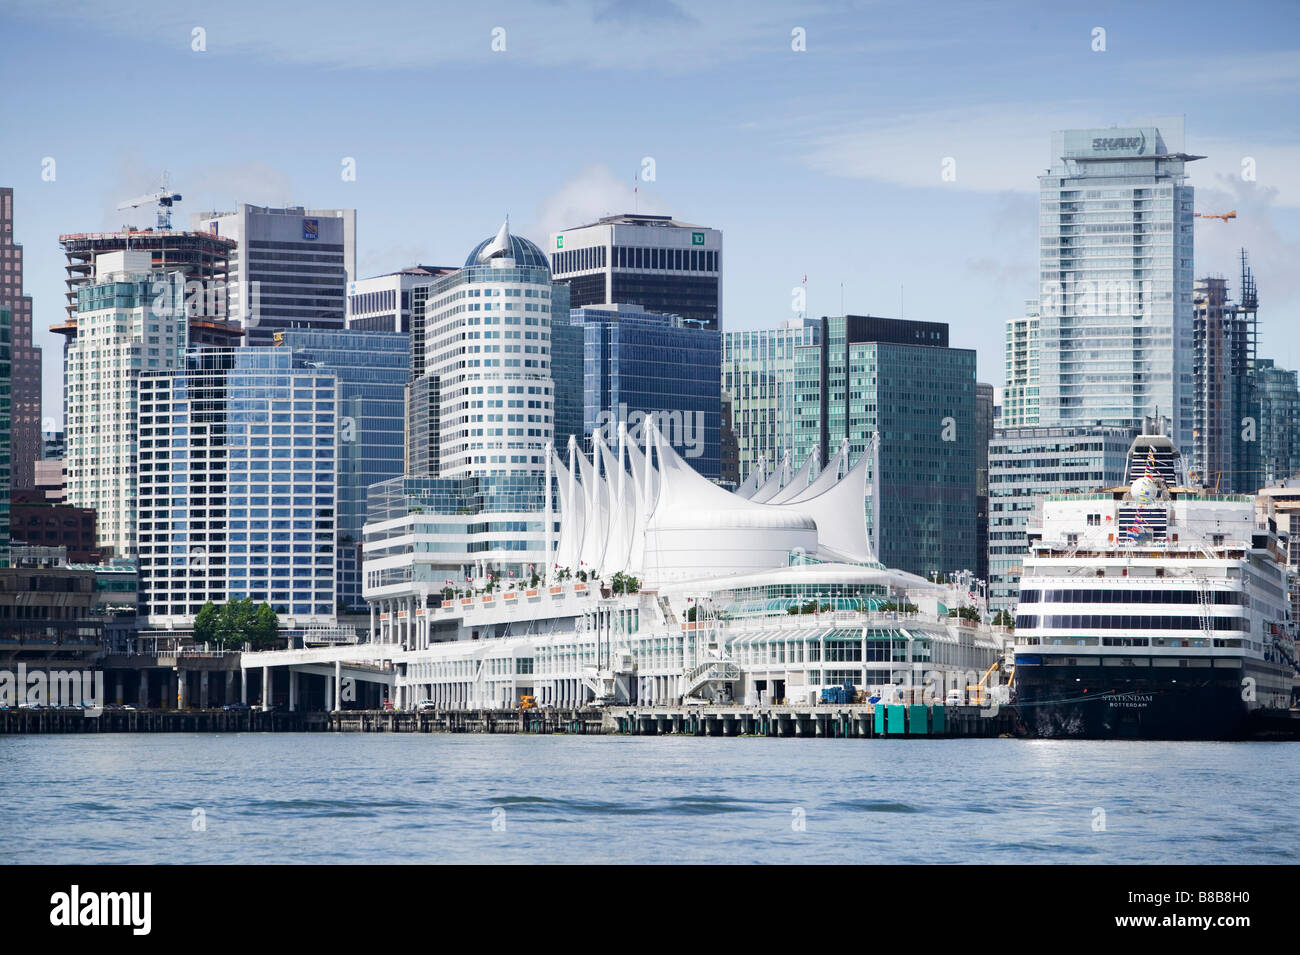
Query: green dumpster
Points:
[897, 717]
[918, 719]
[939, 720]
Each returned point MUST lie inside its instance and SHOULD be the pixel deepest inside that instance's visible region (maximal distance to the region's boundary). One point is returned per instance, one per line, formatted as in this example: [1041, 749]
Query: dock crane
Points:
[1225, 216]
[164, 197]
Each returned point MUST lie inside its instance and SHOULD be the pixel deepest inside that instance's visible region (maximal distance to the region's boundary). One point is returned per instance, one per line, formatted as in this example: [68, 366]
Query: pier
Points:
[17, 722]
[812, 721]
[803, 722]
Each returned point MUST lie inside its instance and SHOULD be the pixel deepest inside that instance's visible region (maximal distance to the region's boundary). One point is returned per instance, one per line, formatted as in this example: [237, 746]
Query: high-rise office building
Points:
[663, 265]
[567, 349]
[383, 303]
[758, 372]
[237, 487]
[636, 363]
[1025, 464]
[901, 379]
[372, 370]
[1278, 429]
[478, 422]
[1224, 451]
[291, 268]
[488, 342]
[983, 435]
[6, 366]
[25, 358]
[1115, 292]
[1020, 393]
[199, 256]
[129, 321]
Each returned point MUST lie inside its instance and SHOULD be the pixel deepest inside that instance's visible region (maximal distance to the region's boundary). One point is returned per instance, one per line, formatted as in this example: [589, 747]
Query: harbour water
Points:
[386, 799]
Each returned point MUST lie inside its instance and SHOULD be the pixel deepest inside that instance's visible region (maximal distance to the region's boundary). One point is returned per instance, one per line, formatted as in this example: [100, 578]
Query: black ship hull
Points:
[1146, 703]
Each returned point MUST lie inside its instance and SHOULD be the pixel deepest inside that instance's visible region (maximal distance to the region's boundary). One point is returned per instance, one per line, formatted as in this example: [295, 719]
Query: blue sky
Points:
[824, 162]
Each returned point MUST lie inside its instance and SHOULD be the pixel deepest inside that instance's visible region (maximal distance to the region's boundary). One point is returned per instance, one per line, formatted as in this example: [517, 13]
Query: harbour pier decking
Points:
[805, 722]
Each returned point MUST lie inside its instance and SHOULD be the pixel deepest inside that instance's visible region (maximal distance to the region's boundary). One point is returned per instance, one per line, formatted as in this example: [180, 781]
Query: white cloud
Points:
[593, 193]
[990, 151]
[1006, 150]
[657, 35]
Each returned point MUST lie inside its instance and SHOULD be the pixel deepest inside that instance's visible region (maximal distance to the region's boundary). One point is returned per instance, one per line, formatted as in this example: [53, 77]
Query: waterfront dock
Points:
[804, 722]
[17, 722]
[812, 721]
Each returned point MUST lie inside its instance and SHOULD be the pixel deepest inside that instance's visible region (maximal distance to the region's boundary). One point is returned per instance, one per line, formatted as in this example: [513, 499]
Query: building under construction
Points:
[201, 256]
[1225, 452]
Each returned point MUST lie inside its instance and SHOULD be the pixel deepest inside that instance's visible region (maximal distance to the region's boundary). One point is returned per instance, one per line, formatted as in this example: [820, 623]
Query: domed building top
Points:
[504, 244]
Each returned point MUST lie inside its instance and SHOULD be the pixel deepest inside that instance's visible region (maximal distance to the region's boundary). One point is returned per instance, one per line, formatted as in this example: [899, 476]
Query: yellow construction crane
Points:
[1225, 216]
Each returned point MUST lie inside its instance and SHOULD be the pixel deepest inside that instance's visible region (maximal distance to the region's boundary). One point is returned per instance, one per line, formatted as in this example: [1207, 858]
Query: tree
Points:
[622, 583]
[1003, 618]
[901, 607]
[965, 613]
[205, 624]
[264, 631]
[237, 622]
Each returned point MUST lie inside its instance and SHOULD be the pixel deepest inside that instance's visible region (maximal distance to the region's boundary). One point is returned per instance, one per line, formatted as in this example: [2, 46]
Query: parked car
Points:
[425, 705]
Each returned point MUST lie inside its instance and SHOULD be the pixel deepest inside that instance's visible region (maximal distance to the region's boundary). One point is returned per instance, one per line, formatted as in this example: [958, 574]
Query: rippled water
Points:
[406, 798]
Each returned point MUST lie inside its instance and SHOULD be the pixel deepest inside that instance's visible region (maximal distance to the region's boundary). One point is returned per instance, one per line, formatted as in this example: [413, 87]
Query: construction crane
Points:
[164, 197]
[1225, 216]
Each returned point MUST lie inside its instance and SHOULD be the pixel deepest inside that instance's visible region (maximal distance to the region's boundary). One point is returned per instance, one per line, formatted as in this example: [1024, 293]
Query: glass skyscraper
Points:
[900, 378]
[1279, 422]
[237, 460]
[1020, 395]
[372, 370]
[758, 372]
[636, 363]
[1115, 290]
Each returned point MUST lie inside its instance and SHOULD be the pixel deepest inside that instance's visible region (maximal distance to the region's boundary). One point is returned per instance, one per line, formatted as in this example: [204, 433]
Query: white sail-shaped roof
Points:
[774, 483]
[753, 480]
[596, 523]
[840, 513]
[647, 512]
[568, 547]
[799, 483]
[828, 478]
[645, 502]
[622, 512]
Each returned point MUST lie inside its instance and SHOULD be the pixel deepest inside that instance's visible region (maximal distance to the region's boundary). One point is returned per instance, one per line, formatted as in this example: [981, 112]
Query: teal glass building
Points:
[902, 379]
[760, 375]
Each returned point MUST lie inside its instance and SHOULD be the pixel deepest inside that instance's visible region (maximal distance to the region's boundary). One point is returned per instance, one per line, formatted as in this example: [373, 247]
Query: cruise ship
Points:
[658, 587]
[1154, 610]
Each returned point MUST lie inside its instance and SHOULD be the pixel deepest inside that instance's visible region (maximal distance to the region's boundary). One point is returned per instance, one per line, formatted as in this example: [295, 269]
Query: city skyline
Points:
[804, 169]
